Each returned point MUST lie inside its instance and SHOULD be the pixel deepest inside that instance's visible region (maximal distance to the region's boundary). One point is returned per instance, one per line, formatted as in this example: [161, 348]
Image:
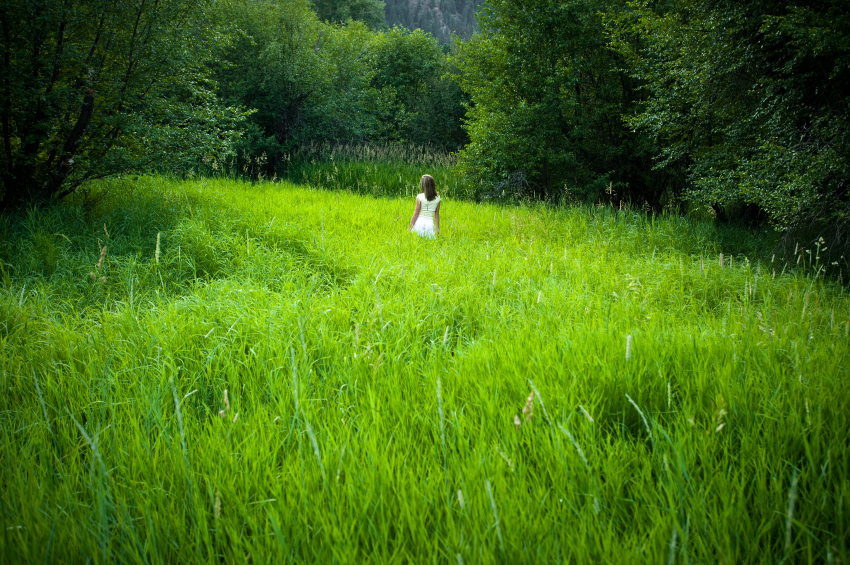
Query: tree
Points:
[421, 103]
[308, 81]
[92, 88]
[547, 99]
[315, 82]
[753, 94]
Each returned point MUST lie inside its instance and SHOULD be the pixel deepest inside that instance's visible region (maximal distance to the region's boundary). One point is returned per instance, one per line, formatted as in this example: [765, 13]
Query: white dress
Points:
[424, 225]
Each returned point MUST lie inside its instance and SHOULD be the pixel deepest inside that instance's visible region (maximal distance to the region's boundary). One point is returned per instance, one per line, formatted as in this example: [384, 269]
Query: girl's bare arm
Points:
[437, 218]
[415, 215]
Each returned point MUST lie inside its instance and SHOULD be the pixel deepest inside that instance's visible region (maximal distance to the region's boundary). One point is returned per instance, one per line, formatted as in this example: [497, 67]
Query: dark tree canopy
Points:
[422, 104]
[754, 95]
[315, 82]
[92, 88]
[548, 97]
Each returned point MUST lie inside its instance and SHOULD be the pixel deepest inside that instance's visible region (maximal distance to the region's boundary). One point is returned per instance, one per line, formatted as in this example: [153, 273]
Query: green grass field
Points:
[273, 374]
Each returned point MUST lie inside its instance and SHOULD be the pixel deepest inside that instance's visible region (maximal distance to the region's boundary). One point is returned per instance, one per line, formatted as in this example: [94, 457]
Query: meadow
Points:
[221, 371]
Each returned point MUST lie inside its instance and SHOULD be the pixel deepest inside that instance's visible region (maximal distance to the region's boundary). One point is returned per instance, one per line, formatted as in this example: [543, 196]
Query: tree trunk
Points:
[289, 117]
[66, 163]
[21, 188]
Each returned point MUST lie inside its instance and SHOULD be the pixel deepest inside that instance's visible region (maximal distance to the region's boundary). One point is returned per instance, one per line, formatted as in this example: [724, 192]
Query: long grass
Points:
[376, 170]
[365, 169]
[293, 378]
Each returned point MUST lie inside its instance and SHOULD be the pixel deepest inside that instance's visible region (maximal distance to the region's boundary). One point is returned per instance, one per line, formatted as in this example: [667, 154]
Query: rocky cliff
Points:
[438, 17]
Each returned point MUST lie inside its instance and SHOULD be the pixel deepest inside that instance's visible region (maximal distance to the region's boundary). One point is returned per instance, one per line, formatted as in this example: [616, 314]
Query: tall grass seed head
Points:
[223, 413]
[356, 339]
[719, 415]
[102, 258]
[505, 457]
[528, 409]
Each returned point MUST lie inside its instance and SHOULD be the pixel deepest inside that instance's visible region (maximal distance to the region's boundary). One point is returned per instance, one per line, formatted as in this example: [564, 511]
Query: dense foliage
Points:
[423, 104]
[753, 95]
[548, 98]
[94, 88]
[313, 83]
[305, 80]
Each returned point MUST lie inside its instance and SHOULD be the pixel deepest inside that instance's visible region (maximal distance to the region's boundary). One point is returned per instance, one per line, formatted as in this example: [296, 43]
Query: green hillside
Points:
[211, 371]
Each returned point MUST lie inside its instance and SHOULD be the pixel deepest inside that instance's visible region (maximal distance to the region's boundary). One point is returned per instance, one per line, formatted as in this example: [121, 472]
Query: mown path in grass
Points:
[373, 380]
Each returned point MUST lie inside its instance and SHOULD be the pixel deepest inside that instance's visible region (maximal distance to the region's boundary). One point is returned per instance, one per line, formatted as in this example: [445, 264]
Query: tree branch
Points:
[66, 163]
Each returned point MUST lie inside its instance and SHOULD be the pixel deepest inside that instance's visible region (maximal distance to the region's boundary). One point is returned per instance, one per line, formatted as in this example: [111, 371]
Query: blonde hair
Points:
[429, 187]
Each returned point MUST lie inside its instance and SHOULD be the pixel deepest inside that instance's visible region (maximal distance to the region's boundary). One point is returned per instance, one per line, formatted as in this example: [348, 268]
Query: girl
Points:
[426, 216]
